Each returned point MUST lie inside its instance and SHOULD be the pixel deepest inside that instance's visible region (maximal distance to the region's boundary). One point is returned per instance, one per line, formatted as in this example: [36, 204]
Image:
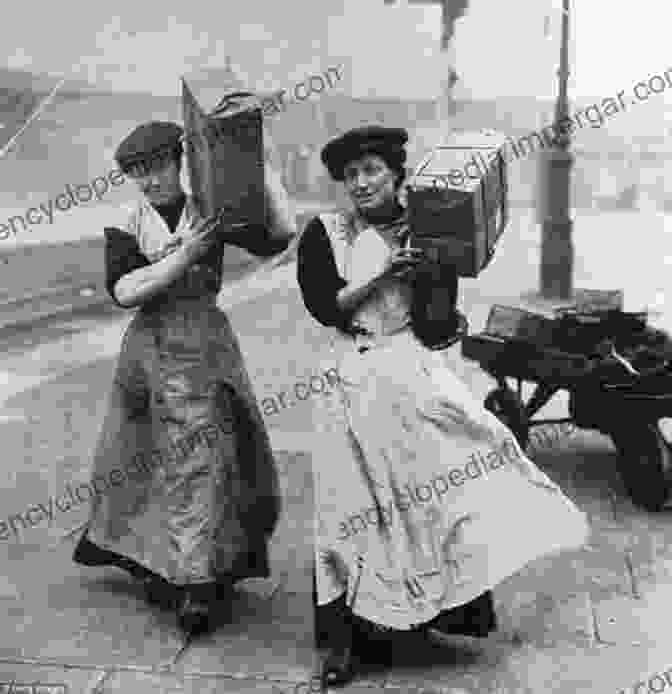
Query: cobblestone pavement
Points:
[592, 620]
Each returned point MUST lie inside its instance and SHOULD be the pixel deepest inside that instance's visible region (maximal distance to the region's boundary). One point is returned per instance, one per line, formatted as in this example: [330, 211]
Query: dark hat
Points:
[147, 141]
[369, 139]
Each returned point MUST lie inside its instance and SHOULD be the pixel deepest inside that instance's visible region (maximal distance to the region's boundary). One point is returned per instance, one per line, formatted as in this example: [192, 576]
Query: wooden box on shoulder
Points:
[225, 160]
[458, 201]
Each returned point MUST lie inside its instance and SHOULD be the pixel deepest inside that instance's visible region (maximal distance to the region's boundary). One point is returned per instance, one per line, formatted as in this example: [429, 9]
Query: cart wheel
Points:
[509, 409]
[644, 463]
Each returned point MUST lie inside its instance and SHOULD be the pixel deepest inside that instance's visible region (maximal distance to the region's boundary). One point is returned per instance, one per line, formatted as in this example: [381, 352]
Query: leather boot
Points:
[338, 665]
[195, 614]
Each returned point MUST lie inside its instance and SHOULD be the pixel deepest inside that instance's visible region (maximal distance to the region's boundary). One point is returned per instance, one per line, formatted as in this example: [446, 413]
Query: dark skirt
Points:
[250, 564]
[188, 486]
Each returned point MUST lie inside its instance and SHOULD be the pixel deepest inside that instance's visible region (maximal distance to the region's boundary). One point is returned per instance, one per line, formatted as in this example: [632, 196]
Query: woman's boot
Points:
[160, 592]
[196, 612]
[338, 666]
[157, 590]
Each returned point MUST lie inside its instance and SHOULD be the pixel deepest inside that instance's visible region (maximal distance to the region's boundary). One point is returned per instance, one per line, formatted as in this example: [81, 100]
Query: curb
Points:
[78, 305]
[97, 305]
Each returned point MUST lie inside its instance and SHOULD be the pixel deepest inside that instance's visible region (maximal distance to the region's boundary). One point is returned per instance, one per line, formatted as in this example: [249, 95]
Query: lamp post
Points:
[557, 250]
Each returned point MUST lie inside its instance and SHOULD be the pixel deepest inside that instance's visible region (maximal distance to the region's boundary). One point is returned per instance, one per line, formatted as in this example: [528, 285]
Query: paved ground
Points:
[593, 620]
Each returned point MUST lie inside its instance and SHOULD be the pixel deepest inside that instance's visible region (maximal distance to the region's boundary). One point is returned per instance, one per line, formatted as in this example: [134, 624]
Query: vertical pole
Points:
[557, 250]
[445, 107]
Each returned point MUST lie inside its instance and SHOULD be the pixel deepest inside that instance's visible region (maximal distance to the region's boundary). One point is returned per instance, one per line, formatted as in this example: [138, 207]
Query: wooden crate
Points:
[458, 201]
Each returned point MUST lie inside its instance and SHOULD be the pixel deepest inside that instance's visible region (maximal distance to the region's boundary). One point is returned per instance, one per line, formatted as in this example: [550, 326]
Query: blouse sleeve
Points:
[122, 255]
[255, 239]
[280, 213]
[318, 277]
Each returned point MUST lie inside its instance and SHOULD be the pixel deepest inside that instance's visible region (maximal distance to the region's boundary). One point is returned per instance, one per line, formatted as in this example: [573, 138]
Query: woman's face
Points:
[370, 182]
[158, 180]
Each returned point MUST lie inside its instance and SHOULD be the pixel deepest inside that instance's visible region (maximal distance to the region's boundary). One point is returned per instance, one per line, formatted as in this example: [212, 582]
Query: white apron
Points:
[424, 500]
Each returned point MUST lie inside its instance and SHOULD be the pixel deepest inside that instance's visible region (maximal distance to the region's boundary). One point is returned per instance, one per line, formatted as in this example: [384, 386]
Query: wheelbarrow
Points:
[616, 369]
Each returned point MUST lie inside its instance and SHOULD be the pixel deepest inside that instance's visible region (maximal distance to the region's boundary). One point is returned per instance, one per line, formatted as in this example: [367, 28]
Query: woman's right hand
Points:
[403, 262]
[201, 237]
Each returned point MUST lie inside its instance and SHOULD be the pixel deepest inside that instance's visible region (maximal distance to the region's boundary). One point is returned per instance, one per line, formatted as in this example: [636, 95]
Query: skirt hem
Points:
[476, 618]
[253, 564]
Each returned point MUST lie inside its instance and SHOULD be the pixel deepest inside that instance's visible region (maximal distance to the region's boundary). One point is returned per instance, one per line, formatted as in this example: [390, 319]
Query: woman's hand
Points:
[146, 283]
[400, 265]
[201, 237]
[403, 263]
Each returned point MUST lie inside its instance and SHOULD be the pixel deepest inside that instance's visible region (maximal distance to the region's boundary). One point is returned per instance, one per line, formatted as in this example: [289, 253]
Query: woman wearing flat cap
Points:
[424, 500]
[188, 491]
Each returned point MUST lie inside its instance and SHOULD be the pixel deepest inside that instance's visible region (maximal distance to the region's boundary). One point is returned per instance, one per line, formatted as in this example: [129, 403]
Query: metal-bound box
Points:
[225, 160]
[598, 300]
[458, 201]
[511, 323]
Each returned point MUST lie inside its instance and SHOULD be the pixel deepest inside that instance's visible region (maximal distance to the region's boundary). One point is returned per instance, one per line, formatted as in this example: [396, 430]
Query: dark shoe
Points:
[224, 590]
[88, 553]
[338, 667]
[161, 593]
[202, 606]
[476, 618]
[157, 590]
[194, 616]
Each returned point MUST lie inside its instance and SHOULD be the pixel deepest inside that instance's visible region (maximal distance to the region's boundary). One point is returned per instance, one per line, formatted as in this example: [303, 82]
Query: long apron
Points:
[424, 499]
[188, 487]
[184, 481]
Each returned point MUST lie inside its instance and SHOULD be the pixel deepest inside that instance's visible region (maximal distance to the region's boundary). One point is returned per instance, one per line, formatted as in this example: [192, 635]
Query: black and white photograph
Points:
[335, 350]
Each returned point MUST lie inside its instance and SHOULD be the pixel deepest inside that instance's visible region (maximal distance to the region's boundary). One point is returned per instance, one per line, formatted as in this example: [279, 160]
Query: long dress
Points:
[184, 477]
[424, 500]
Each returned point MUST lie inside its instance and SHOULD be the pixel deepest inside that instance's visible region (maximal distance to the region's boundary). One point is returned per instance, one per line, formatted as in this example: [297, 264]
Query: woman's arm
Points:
[274, 236]
[353, 295]
[281, 214]
[122, 255]
[318, 277]
[280, 211]
[327, 296]
[140, 286]
[133, 283]
[402, 264]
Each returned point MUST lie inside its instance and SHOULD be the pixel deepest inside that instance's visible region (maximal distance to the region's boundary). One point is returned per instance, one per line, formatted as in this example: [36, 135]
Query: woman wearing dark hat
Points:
[189, 490]
[424, 500]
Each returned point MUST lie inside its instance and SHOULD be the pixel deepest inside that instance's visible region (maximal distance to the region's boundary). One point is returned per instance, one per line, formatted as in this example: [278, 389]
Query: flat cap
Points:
[369, 139]
[146, 141]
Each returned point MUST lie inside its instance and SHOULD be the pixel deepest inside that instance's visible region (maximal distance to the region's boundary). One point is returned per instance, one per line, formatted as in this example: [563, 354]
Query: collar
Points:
[171, 212]
[396, 225]
[187, 215]
[173, 205]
